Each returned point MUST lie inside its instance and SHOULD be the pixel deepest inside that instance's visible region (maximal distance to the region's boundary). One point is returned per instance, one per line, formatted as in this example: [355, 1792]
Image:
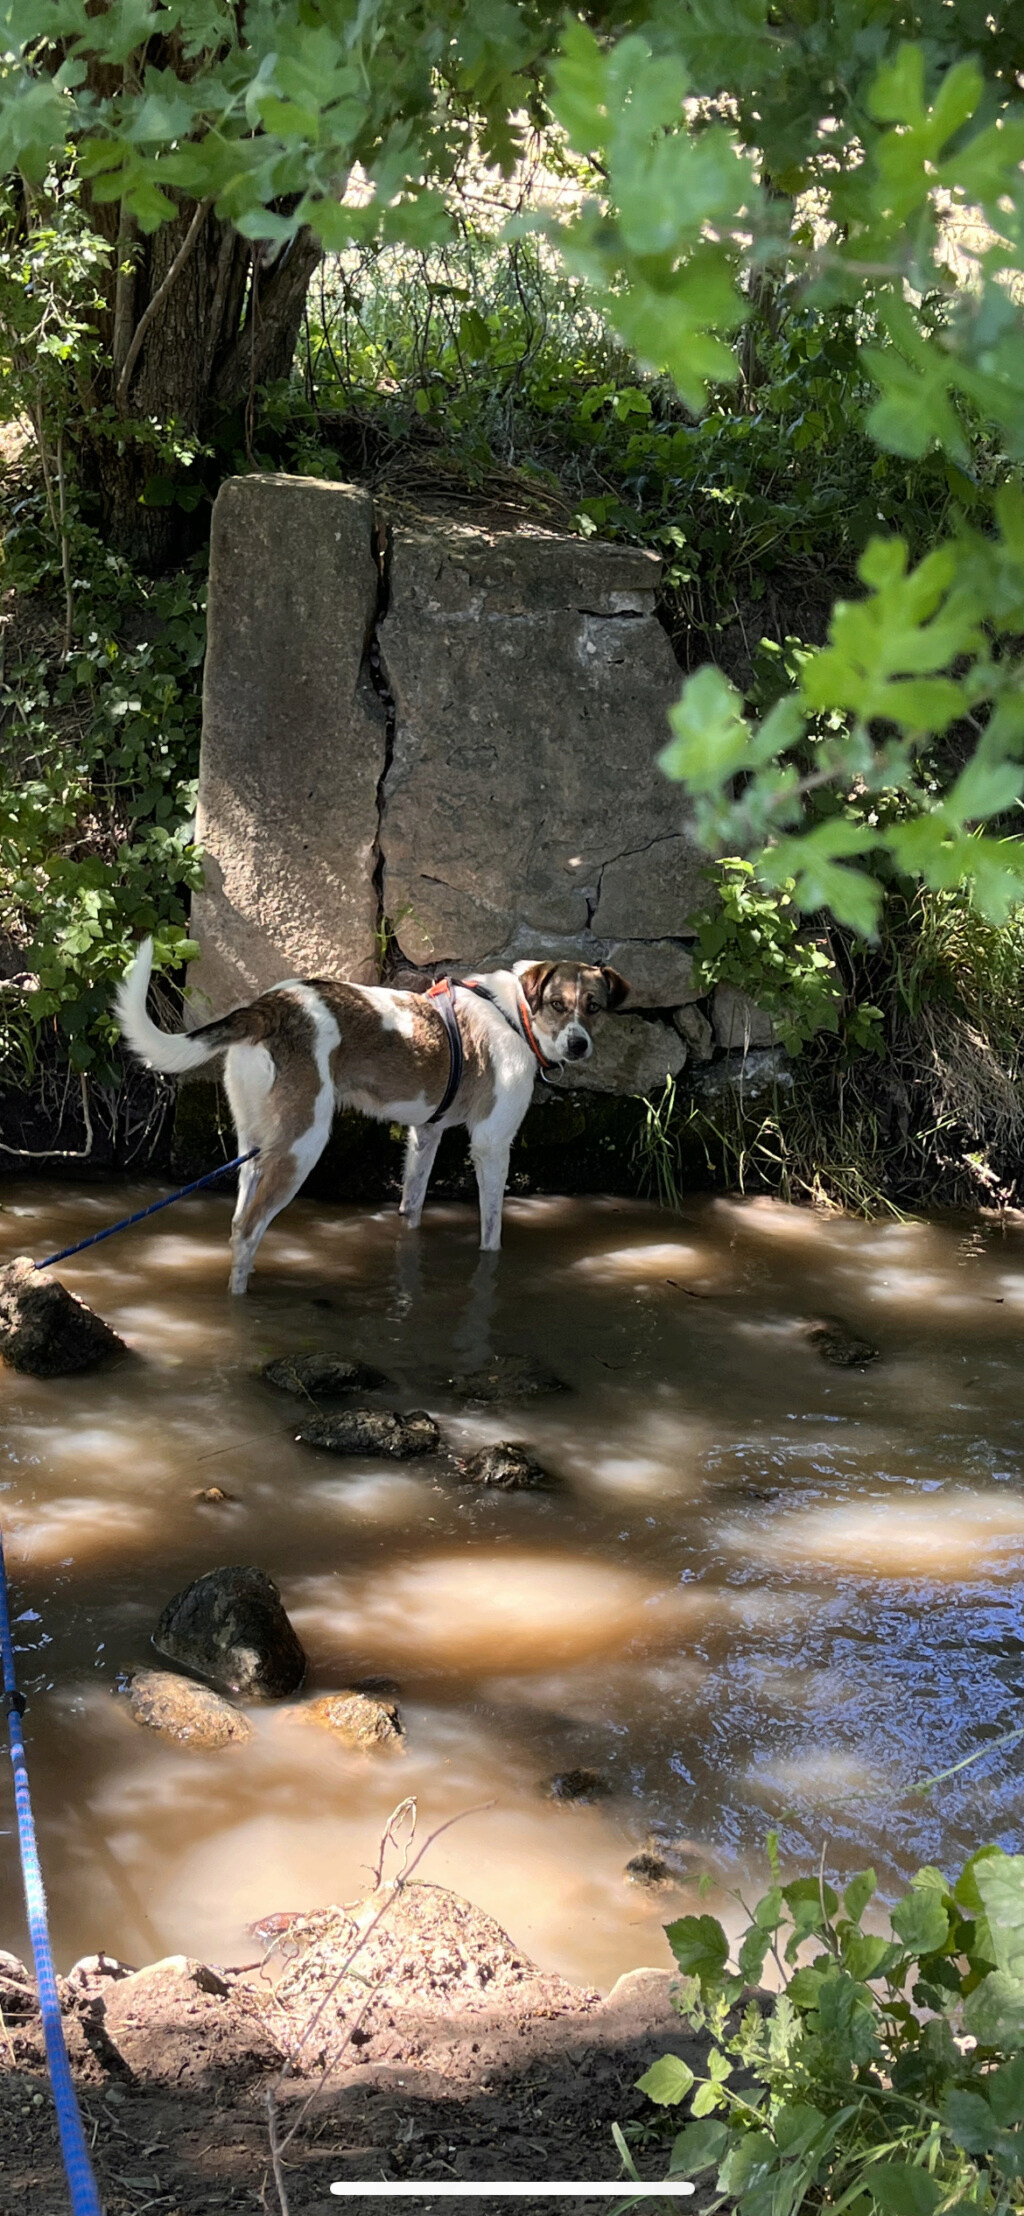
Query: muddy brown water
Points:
[769, 1593]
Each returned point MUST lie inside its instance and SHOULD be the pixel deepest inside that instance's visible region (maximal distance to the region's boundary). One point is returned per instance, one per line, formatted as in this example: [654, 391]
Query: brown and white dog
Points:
[306, 1047]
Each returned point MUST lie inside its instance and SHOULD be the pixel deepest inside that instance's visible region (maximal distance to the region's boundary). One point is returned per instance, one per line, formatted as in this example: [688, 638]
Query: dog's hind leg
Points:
[286, 1155]
[420, 1154]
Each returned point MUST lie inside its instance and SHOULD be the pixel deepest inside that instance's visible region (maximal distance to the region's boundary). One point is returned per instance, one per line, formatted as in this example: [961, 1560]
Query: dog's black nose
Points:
[577, 1046]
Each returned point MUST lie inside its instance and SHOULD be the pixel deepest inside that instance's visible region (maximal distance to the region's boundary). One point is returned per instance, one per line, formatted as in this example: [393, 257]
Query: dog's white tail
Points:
[169, 1051]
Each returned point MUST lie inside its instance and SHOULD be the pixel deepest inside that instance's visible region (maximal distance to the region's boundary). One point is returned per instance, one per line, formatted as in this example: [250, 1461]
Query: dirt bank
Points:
[440, 2052]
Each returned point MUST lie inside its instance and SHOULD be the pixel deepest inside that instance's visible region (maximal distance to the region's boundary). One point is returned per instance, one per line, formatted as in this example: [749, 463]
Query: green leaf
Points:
[696, 2147]
[1000, 1882]
[1005, 2089]
[994, 2012]
[858, 1893]
[969, 2119]
[920, 1920]
[712, 738]
[901, 2189]
[699, 1945]
[667, 2081]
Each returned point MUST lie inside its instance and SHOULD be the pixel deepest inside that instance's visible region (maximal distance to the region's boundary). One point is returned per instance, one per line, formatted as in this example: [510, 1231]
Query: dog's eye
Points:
[589, 1006]
[559, 1007]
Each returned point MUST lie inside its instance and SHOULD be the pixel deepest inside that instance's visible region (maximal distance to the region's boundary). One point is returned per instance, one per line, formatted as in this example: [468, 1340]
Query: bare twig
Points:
[65, 550]
[59, 1153]
[159, 297]
[277, 2144]
[275, 2153]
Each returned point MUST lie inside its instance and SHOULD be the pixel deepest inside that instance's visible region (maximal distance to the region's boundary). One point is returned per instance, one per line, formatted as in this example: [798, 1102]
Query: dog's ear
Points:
[533, 977]
[615, 987]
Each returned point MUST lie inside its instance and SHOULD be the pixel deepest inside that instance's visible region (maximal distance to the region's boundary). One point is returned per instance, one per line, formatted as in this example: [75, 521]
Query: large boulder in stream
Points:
[230, 1627]
[45, 1331]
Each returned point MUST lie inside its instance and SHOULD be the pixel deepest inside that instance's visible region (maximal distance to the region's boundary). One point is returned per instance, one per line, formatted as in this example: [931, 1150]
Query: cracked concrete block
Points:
[632, 1054]
[738, 1022]
[660, 971]
[523, 810]
[293, 742]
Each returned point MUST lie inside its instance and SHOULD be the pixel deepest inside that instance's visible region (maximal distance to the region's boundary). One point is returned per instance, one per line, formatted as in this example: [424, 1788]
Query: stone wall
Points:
[510, 805]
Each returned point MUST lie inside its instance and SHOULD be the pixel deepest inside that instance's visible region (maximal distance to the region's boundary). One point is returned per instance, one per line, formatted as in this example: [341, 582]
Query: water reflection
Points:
[763, 1592]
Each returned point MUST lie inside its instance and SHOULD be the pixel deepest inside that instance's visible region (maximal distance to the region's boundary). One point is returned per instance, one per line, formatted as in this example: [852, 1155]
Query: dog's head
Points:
[563, 998]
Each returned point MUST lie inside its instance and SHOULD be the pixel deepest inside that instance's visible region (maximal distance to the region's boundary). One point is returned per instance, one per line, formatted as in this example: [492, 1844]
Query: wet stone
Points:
[577, 1785]
[358, 1719]
[45, 1331]
[507, 1465]
[214, 1496]
[322, 1376]
[651, 1871]
[231, 1627]
[506, 1377]
[190, 1714]
[373, 1431]
[840, 1346]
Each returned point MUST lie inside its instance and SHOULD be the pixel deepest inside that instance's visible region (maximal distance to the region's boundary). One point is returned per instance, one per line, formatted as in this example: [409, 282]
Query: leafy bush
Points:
[754, 938]
[98, 760]
[886, 2076]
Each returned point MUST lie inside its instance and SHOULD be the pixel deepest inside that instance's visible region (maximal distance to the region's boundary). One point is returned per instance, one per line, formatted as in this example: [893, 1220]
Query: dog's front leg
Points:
[420, 1154]
[490, 1160]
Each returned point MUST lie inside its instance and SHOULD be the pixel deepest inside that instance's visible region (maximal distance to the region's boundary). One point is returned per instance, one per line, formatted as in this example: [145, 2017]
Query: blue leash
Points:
[153, 1209]
[85, 2200]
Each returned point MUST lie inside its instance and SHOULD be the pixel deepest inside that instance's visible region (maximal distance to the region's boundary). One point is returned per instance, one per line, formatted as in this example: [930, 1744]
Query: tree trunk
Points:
[195, 318]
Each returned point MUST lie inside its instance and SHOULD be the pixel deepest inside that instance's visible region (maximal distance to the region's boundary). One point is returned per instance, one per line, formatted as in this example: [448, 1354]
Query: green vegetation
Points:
[887, 2076]
[742, 286]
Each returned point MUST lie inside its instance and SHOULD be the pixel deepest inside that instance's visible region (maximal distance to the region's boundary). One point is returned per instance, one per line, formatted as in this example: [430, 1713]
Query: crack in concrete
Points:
[379, 681]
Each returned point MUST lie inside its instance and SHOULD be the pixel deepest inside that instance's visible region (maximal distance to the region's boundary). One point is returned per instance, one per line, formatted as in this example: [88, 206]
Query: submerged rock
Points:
[577, 1785]
[321, 1376]
[508, 1465]
[373, 1431]
[840, 1346]
[359, 1719]
[214, 1496]
[191, 1714]
[230, 1626]
[45, 1331]
[650, 1871]
[506, 1377]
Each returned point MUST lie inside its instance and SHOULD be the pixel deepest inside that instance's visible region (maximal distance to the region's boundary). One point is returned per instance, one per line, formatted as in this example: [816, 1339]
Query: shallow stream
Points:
[766, 1592]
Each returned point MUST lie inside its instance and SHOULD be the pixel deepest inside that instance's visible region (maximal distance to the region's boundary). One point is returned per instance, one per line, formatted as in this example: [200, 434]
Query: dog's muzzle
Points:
[578, 1045]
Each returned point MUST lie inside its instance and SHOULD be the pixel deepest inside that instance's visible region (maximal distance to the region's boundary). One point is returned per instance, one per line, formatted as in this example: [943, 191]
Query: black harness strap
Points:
[441, 995]
[473, 985]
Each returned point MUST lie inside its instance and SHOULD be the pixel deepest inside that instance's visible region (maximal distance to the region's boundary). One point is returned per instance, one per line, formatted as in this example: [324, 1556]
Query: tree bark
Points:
[227, 321]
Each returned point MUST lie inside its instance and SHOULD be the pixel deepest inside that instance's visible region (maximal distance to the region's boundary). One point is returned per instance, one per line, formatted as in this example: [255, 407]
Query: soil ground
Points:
[462, 2062]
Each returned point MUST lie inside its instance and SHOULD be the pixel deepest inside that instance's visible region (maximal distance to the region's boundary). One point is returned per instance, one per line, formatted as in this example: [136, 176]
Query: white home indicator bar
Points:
[426, 2190]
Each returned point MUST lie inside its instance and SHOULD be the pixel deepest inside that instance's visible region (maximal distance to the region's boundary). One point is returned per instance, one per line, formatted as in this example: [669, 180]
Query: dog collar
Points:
[524, 1027]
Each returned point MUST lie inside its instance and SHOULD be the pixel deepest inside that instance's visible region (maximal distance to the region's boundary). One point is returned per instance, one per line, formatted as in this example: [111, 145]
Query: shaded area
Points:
[468, 2063]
